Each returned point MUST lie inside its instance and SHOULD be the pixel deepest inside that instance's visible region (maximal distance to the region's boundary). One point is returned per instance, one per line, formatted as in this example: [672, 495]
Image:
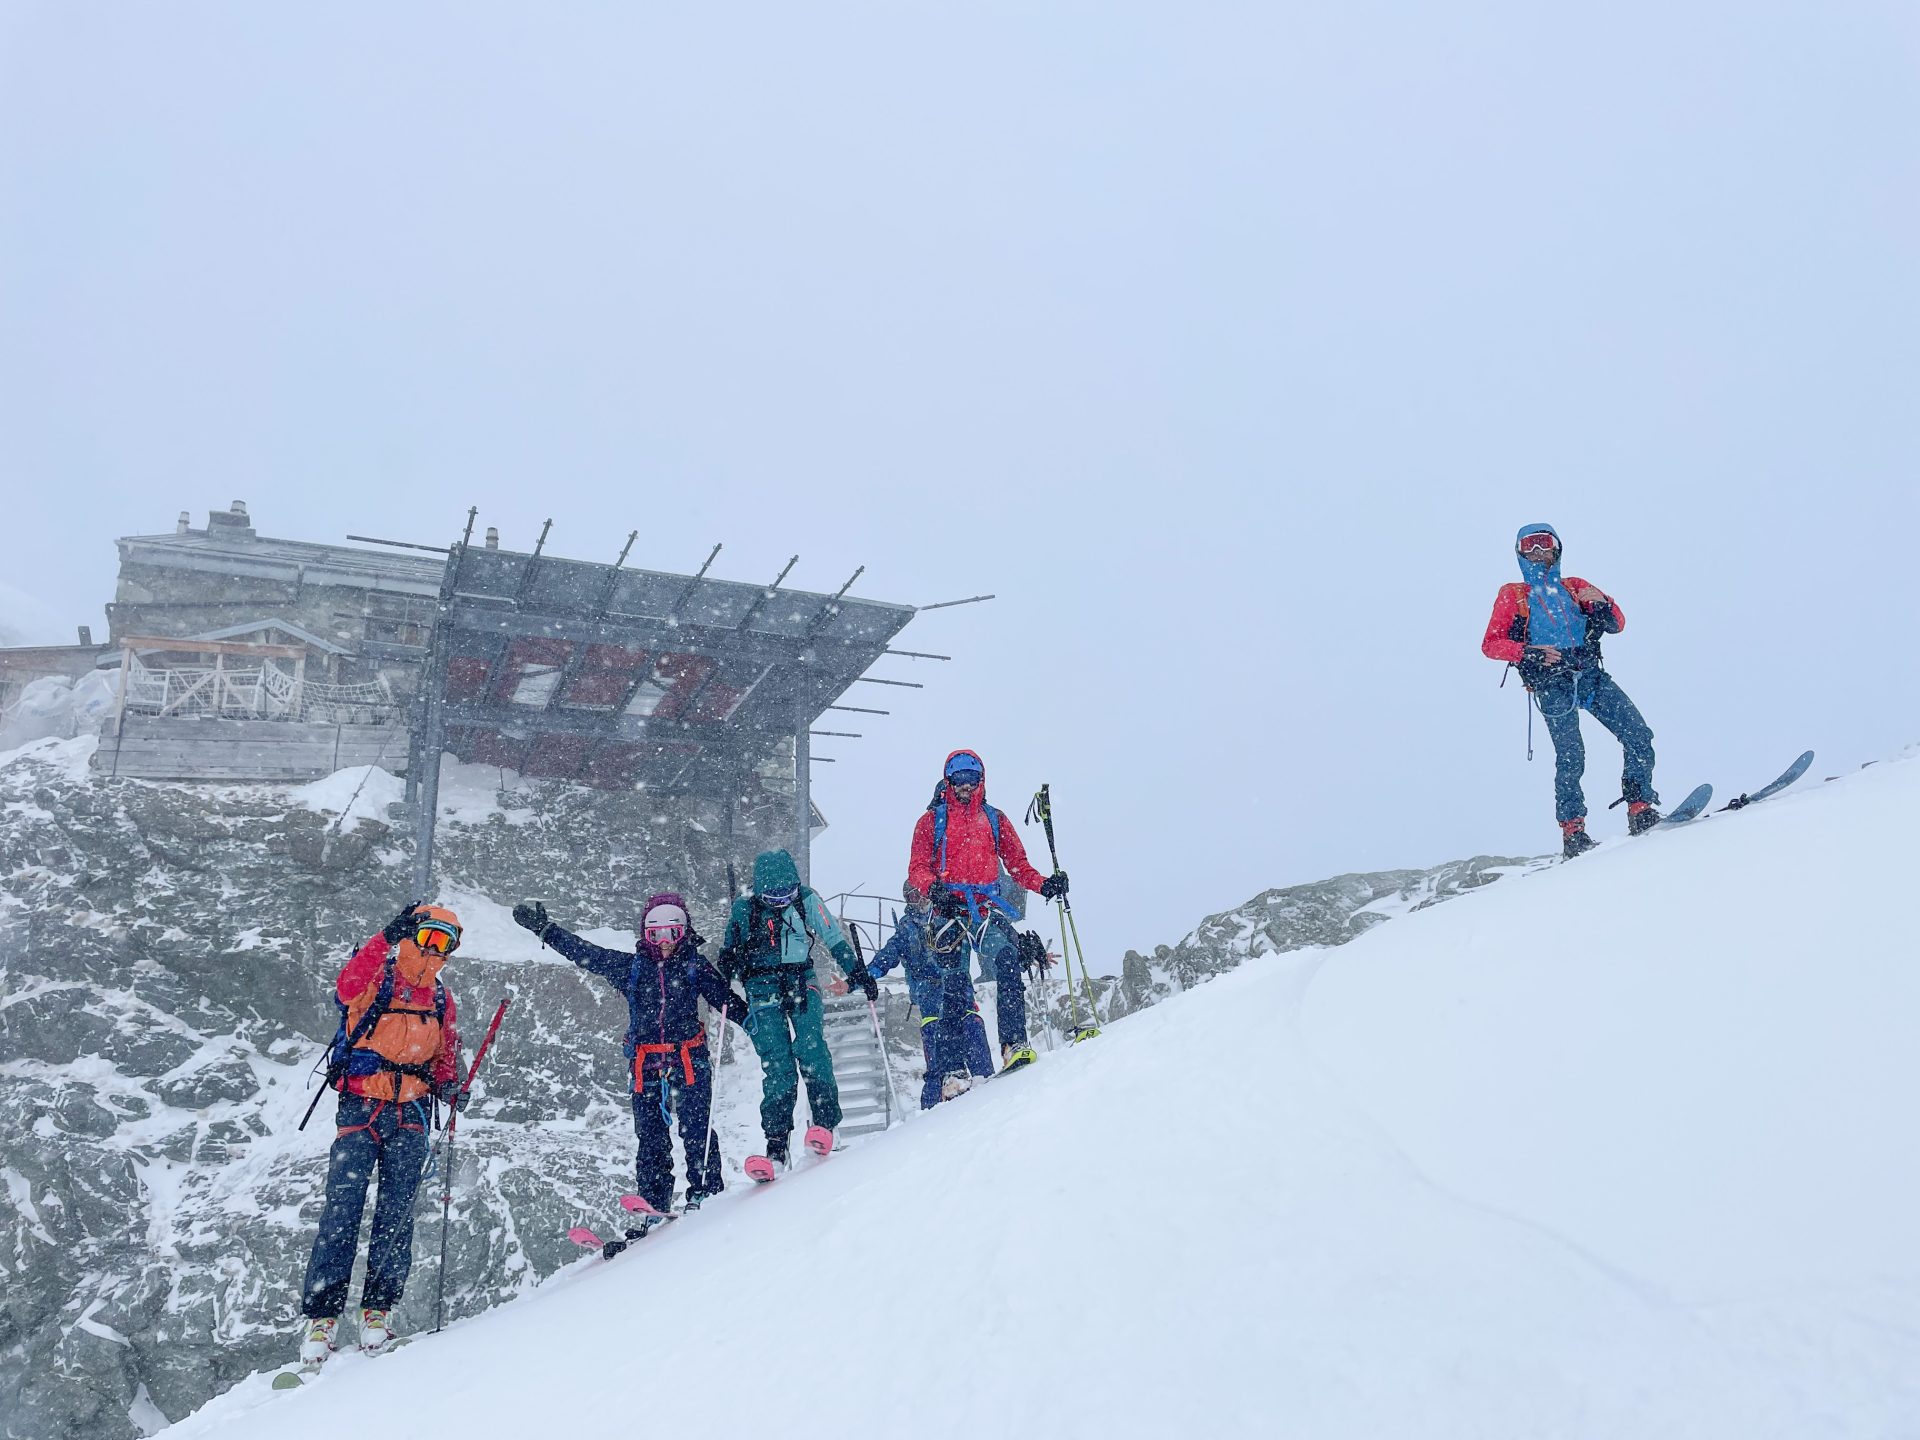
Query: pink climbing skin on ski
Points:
[640, 1206]
[759, 1169]
[580, 1235]
[818, 1139]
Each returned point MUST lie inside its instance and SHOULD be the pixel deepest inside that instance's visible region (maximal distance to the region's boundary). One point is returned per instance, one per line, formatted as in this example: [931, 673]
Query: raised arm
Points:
[611, 966]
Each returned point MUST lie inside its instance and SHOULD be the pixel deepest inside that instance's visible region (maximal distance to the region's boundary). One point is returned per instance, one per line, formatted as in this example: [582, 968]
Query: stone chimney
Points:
[184, 524]
[230, 524]
[493, 537]
[86, 635]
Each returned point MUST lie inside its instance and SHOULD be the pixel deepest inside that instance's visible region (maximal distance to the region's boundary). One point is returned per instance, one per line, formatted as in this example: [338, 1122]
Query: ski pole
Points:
[713, 1098]
[1042, 809]
[446, 1161]
[893, 1097]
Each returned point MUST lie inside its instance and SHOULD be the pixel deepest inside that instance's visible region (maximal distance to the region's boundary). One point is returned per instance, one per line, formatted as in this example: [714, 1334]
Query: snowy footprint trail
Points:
[1461, 1194]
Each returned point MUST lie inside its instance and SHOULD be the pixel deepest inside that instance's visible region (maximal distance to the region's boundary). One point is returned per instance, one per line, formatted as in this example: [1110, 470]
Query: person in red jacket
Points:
[397, 1052]
[960, 844]
[1550, 629]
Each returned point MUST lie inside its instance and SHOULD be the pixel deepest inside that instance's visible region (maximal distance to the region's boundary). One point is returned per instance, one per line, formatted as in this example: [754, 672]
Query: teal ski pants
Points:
[784, 1022]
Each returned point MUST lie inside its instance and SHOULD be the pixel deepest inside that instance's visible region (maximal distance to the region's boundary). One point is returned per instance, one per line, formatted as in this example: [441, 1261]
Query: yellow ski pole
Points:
[1042, 810]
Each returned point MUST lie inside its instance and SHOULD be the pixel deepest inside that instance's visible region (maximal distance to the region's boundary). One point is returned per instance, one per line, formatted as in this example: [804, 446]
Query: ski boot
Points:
[1012, 1057]
[1641, 817]
[376, 1332]
[695, 1199]
[318, 1345]
[762, 1168]
[1574, 838]
[954, 1086]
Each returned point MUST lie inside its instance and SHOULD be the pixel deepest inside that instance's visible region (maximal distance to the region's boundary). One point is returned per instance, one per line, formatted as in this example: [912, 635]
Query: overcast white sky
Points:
[1227, 343]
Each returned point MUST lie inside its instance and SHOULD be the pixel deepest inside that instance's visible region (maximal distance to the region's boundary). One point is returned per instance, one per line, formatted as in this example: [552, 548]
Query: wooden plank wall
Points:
[185, 748]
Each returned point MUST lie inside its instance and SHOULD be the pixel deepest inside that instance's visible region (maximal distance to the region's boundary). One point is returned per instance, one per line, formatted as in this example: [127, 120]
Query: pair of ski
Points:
[762, 1170]
[294, 1376]
[650, 1217]
[1695, 805]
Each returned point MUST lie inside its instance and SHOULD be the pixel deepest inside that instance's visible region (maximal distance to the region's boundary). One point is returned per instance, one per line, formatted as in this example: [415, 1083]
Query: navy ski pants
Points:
[952, 1033]
[1561, 697]
[667, 1093]
[999, 954]
[373, 1135]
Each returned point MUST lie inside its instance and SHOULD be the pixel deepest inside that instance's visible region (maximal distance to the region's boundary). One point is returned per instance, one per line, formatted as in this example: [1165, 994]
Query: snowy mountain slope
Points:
[1461, 1177]
[165, 959]
[1693, 1054]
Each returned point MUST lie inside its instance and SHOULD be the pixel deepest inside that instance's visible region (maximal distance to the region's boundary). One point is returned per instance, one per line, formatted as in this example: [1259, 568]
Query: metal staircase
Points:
[859, 1064]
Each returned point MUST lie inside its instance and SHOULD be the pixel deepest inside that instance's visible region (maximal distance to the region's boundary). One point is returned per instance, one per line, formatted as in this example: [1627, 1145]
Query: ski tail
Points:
[759, 1169]
[1689, 809]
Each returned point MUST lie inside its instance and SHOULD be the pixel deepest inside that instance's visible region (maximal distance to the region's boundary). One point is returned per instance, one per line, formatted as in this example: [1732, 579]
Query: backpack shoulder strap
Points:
[994, 818]
[799, 906]
[382, 999]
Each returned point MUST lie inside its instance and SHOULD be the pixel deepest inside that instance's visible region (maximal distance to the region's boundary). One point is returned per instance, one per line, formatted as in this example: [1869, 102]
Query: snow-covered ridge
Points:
[1619, 1148]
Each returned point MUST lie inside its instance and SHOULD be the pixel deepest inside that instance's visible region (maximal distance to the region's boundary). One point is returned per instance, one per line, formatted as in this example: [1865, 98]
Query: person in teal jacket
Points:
[769, 949]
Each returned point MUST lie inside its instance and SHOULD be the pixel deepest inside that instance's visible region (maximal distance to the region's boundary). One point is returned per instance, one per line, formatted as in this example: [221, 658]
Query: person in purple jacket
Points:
[664, 978]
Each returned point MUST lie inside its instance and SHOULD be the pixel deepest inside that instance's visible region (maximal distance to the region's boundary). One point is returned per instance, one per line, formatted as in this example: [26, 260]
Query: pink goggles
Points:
[665, 935]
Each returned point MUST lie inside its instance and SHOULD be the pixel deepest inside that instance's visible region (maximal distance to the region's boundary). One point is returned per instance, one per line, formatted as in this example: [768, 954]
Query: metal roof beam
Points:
[613, 729]
[627, 631]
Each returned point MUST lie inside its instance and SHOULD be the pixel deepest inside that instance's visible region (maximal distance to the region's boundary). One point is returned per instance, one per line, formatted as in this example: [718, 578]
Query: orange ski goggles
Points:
[440, 939]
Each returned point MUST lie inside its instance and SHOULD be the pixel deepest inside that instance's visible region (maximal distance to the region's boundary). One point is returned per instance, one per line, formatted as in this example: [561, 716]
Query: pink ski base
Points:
[759, 1169]
[640, 1206]
[580, 1235]
[818, 1139]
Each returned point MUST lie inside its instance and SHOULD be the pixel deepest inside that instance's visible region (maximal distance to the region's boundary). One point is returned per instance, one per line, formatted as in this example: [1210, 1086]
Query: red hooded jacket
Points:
[1506, 637]
[970, 859]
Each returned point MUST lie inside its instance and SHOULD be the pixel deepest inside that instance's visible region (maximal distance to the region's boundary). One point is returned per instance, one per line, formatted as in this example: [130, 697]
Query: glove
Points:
[454, 1098]
[1054, 886]
[532, 915]
[863, 977]
[1034, 958]
[737, 1009]
[1542, 655]
[945, 900]
[401, 925]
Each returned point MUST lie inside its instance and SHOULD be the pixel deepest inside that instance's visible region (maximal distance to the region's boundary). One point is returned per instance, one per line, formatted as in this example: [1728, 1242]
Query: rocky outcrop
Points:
[166, 954]
[1295, 917]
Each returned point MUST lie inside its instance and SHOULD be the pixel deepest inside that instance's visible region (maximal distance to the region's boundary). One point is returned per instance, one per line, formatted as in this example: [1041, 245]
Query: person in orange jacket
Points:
[396, 1053]
[959, 844]
[1550, 630]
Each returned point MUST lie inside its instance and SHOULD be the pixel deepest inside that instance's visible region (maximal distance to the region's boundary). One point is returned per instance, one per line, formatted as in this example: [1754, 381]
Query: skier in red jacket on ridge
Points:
[959, 844]
[1550, 629]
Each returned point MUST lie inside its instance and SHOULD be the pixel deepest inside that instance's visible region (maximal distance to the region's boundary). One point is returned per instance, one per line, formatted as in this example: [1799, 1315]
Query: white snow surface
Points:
[359, 792]
[1619, 1148]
